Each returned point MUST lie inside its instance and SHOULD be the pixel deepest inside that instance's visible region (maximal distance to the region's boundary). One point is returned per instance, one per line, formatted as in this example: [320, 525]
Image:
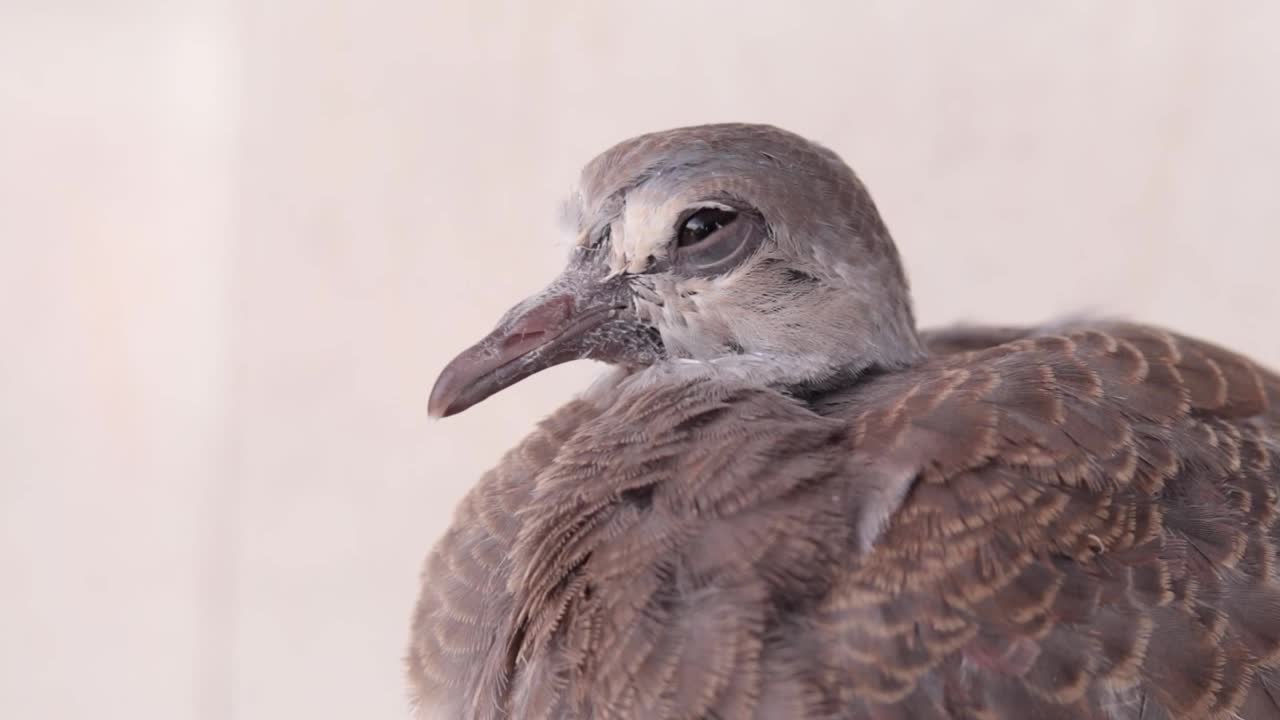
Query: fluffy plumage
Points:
[1068, 522]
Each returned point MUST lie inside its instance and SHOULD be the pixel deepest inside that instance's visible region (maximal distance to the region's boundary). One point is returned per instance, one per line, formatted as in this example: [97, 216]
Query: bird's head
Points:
[709, 243]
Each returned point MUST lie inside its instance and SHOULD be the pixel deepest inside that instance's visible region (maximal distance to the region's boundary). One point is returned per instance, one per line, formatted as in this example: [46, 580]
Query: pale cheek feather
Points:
[689, 317]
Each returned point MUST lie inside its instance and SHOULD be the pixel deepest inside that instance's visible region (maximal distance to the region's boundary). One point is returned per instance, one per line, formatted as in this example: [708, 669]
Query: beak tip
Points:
[443, 395]
[436, 412]
[439, 405]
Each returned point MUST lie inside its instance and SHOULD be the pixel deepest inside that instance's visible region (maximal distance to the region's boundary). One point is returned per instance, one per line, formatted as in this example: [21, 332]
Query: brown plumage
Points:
[1076, 521]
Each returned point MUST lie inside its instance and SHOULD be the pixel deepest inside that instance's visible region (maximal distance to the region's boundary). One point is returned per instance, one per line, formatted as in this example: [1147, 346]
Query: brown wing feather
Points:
[457, 656]
[1099, 533]
[1074, 525]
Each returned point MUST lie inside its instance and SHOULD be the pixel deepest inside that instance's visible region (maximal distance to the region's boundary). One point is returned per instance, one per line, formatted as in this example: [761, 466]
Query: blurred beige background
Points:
[238, 239]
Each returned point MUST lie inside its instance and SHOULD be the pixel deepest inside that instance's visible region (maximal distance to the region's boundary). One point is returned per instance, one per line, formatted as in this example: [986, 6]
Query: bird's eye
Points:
[702, 224]
[712, 240]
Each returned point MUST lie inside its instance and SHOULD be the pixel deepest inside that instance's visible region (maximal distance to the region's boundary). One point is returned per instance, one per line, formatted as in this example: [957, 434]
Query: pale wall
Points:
[237, 241]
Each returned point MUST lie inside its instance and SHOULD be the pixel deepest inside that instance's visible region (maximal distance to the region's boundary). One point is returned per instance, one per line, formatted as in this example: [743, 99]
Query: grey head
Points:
[716, 243]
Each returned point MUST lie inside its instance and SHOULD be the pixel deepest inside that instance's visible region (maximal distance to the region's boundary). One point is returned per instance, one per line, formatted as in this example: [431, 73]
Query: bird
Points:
[782, 499]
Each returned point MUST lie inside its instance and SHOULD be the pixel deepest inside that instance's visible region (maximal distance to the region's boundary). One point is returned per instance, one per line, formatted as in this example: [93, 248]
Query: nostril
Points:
[519, 336]
[545, 316]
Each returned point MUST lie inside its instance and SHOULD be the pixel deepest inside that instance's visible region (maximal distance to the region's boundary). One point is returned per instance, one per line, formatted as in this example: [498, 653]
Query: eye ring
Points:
[702, 224]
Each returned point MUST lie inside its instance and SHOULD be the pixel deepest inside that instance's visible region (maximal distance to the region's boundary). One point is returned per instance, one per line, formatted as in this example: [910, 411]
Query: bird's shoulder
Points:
[1064, 440]
[1161, 373]
[1090, 523]
[1052, 399]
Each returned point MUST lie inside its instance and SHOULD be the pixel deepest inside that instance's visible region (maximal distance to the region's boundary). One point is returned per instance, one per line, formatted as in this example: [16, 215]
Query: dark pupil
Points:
[701, 224]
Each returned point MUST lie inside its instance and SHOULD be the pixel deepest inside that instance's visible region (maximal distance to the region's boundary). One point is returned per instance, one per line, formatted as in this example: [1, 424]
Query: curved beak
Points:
[574, 317]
